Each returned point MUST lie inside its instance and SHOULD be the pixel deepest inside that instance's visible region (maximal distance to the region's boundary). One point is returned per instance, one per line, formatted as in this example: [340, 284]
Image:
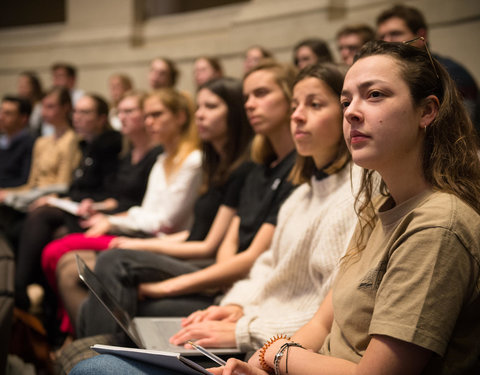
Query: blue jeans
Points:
[114, 365]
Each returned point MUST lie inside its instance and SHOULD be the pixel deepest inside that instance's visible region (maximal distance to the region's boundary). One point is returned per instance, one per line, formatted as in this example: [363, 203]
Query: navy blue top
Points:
[15, 160]
[466, 85]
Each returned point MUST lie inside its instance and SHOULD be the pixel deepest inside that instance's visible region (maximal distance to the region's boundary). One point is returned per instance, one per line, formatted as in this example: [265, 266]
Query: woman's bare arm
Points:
[222, 273]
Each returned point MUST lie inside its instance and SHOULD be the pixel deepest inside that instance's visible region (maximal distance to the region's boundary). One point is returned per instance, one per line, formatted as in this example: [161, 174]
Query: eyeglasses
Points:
[349, 47]
[83, 112]
[153, 115]
[426, 48]
[127, 111]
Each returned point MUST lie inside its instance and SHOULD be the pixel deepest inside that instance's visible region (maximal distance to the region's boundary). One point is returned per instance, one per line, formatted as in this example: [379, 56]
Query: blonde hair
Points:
[178, 102]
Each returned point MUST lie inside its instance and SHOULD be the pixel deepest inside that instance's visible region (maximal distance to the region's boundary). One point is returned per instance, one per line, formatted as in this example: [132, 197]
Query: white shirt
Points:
[167, 206]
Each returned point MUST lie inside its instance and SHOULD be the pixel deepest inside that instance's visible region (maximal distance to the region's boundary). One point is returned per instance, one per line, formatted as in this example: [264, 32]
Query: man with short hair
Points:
[65, 75]
[163, 73]
[311, 51]
[351, 38]
[402, 23]
[16, 142]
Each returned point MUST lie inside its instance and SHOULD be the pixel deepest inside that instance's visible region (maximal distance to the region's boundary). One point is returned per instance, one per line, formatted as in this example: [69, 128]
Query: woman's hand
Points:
[229, 313]
[91, 221]
[127, 243]
[39, 202]
[3, 195]
[237, 367]
[166, 288]
[85, 208]
[213, 333]
[254, 360]
[98, 225]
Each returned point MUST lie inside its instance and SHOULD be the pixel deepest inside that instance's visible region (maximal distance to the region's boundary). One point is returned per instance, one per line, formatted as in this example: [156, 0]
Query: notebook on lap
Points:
[147, 333]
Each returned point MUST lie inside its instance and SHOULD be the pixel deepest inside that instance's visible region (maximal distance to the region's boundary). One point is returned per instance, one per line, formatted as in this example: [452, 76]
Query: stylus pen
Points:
[205, 352]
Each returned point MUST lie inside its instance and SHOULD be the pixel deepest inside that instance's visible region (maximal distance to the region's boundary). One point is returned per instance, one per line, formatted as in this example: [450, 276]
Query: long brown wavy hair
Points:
[450, 159]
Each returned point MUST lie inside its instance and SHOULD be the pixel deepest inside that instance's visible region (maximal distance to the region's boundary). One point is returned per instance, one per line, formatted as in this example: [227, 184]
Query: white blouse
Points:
[167, 206]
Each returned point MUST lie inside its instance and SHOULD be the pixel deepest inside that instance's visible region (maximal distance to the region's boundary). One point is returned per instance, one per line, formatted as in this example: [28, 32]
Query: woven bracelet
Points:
[261, 357]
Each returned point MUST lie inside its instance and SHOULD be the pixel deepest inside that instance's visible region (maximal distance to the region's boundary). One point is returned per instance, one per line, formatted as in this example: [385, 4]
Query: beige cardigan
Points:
[53, 161]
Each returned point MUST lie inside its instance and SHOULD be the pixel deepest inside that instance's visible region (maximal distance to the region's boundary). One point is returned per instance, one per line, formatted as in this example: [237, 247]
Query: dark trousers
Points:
[121, 271]
[11, 222]
[38, 230]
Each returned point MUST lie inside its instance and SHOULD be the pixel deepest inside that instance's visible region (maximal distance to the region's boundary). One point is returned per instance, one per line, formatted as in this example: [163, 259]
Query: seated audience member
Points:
[403, 23]
[65, 75]
[314, 226]
[125, 188]
[100, 147]
[170, 287]
[29, 87]
[53, 160]
[54, 156]
[172, 187]
[163, 73]
[223, 127]
[205, 69]
[351, 38]
[406, 298]
[311, 51]
[118, 85]
[254, 55]
[225, 135]
[16, 142]
[173, 182]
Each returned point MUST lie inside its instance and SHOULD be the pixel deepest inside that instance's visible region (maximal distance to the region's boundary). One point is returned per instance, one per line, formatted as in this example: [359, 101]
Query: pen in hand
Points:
[205, 352]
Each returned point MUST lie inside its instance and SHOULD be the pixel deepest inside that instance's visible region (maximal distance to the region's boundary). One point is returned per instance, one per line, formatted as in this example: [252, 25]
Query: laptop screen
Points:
[107, 300]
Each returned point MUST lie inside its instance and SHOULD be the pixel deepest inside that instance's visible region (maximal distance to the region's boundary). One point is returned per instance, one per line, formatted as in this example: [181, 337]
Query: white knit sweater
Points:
[289, 281]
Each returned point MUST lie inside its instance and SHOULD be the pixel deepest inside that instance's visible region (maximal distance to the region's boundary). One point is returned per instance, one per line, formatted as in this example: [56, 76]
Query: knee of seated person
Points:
[94, 365]
[60, 232]
[39, 212]
[107, 259]
[67, 273]
[49, 253]
[115, 264]
[66, 260]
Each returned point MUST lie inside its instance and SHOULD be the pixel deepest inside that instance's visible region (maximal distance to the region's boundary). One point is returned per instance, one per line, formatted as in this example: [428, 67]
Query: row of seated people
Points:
[399, 23]
[385, 290]
[273, 148]
[223, 127]
[172, 184]
[174, 180]
[311, 222]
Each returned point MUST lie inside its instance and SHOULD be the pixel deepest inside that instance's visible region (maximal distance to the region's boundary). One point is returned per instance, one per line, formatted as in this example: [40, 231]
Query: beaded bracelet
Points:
[279, 355]
[261, 357]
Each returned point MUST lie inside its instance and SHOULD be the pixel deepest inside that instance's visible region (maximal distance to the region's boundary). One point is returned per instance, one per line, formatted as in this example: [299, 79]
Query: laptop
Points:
[146, 332]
